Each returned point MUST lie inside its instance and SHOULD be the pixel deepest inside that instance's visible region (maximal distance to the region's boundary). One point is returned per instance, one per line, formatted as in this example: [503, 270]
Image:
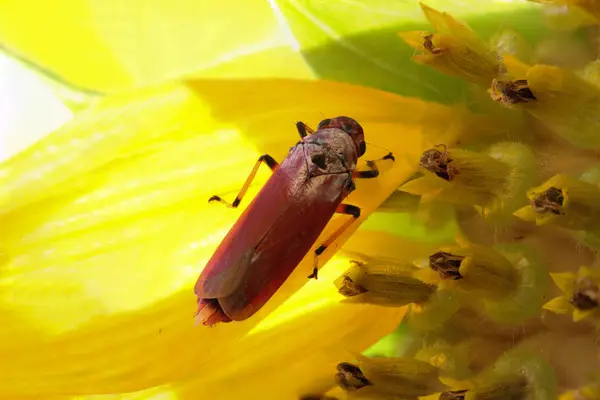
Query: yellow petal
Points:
[455, 383]
[462, 240]
[401, 202]
[307, 337]
[434, 396]
[564, 280]
[526, 214]
[103, 263]
[559, 305]
[585, 272]
[427, 275]
[22, 91]
[566, 104]
[591, 72]
[414, 39]
[297, 357]
[317, 327]
[570, 395]
[428, 186]
[366, 243]
[443, 22]
[590, 392]
[515, 67]
[142, 42]
[579, 315]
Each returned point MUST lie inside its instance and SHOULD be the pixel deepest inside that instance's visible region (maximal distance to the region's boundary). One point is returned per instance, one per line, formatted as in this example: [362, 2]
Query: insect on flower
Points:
[284, 220]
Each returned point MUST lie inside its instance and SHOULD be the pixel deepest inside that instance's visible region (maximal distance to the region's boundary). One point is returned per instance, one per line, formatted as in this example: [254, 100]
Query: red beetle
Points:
[284, 220]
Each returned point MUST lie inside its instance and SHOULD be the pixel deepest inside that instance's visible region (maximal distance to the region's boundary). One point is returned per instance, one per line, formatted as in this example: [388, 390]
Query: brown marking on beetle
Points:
[550, 200]
[446, 265]
[210, 313]
[438, 162]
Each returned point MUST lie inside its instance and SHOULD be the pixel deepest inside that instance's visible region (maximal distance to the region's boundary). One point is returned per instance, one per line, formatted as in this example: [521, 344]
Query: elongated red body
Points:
[281, 224]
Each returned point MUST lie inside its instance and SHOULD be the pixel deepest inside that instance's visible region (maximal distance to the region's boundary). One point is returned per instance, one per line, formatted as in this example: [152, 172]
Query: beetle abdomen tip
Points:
[210, 312]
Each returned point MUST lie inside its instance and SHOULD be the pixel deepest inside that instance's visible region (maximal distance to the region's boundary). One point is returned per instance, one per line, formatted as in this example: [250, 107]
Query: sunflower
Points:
[106, 222]
[579, 293]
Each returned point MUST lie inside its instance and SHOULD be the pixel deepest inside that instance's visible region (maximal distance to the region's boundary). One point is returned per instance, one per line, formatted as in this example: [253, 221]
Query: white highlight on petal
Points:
[28, 108]
[283, 25]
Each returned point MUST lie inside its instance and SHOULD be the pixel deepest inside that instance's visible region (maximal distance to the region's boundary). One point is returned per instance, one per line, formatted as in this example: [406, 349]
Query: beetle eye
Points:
[346, 127]
[362, 149]
[324, 123]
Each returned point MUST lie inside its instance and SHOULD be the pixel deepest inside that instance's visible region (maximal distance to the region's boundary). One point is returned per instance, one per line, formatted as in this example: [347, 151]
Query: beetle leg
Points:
[373, 171]
[265, 158]
[304, 129]
[346, 209]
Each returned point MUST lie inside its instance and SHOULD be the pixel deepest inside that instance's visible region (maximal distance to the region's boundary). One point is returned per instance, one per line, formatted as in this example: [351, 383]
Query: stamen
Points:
[438, 162]
[428, 45]
[453, 395]
[446, 264]
[550, 200]
[383, 283]
[210, 312]
[511, 92]
[349, 288]
[586, 294]
[350, 377]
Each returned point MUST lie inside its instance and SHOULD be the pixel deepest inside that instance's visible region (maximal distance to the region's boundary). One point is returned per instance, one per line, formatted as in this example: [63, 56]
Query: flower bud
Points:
[388, 378]
[581, 293]
[491, 181]
[381, 283]
[565, 103]
[459, 176]
[508, 280]
[516, 375]
[454, 49]
[564, 201]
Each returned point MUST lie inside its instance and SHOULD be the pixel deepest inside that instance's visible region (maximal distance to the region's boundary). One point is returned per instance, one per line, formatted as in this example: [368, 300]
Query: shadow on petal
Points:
[108, 232]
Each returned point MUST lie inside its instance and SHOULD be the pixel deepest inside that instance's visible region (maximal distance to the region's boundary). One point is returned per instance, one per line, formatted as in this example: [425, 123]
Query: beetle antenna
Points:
[379, 147]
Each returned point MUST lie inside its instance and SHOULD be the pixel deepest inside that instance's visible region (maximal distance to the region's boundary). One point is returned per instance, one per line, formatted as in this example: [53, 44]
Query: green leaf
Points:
[356, 40]
[408, 226]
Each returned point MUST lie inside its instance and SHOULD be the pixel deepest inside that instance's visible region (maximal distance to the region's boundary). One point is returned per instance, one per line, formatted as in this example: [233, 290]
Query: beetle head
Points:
[351, 127]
